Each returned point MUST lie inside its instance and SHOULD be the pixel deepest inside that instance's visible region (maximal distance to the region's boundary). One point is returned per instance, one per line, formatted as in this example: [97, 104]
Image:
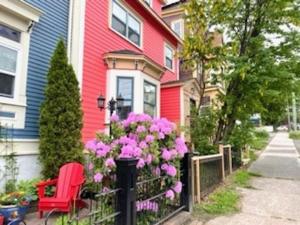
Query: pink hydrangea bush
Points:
[152, 141]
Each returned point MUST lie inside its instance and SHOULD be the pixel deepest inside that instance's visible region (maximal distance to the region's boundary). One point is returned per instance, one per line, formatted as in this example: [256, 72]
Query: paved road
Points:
[275, 198]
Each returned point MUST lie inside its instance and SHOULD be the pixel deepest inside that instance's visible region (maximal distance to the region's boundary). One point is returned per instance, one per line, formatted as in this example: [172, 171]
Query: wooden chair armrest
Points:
[42, 187]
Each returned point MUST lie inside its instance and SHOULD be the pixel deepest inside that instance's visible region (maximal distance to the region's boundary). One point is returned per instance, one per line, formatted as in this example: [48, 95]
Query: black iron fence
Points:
[210, 174]
[138, 200]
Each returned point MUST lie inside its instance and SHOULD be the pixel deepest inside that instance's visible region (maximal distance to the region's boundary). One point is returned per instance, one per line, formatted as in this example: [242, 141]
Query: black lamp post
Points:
[112, 105]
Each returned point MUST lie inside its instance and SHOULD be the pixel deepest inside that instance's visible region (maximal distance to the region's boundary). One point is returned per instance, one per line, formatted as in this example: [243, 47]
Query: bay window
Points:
[149, 98]
[125, 23]
[125, 90]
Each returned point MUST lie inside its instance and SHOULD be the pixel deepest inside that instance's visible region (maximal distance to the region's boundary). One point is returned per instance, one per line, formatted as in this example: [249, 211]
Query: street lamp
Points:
[112, 105]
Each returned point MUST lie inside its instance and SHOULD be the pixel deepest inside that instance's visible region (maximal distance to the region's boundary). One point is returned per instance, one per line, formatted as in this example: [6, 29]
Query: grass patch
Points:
[294, 135]
[223, 201]
[260, 140]
[242, 179]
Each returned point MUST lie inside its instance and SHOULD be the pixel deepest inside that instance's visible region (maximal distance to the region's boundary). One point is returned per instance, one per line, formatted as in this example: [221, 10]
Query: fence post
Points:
[221, 151]
[126, 198]
[186, 179]
[230, 159]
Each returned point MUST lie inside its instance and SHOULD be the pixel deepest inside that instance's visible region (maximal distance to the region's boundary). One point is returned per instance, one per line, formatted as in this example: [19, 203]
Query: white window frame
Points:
[181, 22]
[16, 46]
[133, 15]
[166, 45]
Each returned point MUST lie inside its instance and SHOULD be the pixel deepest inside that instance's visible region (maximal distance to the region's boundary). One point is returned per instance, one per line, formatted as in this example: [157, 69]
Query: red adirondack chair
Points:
[68, 184]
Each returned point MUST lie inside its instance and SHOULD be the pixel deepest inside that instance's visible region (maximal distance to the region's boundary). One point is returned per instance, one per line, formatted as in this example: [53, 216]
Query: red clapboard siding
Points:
[99, 39]
[170, 103]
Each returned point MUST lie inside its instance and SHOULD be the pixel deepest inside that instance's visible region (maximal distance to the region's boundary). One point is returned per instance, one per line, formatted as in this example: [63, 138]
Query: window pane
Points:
[9, 33]
[125, 89]
[149, 98]
[149, 93]
[150, 109]
[6, 84]
[133, 30]
[169, 52]
[148, 2]
[177, 28]
[8, 59]
[119, 12]
[118, 25]
[169, 63]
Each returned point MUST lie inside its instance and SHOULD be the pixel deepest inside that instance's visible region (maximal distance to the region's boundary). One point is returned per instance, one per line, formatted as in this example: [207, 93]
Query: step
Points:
[183, 218]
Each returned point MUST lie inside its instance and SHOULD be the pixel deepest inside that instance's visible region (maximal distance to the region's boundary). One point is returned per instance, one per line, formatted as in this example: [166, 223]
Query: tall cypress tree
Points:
[60, 116]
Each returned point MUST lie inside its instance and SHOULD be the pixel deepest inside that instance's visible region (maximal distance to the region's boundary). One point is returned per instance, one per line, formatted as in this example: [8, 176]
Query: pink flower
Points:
[171, 171]
[91, 166]
[181, 146]
[161, 135]
[140, 164]
[178, 187]
[137, 152]
[91, 145]
[114, 118]
[149, 159]
[149, 138]
[143, 144]
[164, 166]
[154, 128]
[110, 163]
[140, 129]
[98, 177]
[156, 171]
[166, 155]
[170, 195]
[126, 151]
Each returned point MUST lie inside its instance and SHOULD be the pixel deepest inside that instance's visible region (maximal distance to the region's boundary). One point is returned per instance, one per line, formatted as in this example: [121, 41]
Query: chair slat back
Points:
[69, 175]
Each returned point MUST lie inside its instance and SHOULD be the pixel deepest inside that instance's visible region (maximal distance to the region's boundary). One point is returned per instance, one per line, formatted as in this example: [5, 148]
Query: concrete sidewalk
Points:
[275, 198]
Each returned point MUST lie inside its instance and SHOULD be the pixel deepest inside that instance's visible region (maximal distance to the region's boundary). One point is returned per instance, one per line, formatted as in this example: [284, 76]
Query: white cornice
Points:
[21, 9]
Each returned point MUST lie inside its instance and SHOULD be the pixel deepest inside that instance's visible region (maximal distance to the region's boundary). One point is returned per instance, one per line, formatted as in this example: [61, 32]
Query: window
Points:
[149, 98]
[169, 57]
[206, 101]
[177, 27]
[149, 2]
[125, 90]
[9, 33]
[9, 51]
[125, 24]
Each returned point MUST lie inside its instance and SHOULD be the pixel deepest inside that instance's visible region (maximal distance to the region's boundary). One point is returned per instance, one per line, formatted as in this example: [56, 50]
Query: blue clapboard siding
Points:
[52, 26]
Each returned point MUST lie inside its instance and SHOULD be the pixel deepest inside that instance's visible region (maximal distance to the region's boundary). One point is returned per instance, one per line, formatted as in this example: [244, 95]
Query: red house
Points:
[129, 51]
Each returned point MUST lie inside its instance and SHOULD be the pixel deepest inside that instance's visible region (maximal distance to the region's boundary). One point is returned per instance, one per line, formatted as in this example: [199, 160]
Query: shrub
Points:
[152, 141]
[60, 117]
[202, 131]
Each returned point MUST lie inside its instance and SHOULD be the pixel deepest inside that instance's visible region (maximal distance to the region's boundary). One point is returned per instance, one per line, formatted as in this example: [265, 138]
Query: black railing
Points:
[210, 174]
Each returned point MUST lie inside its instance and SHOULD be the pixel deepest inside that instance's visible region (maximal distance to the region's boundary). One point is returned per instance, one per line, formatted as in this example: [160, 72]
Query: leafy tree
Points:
[61, 116]
[202, 130]
[261, 55]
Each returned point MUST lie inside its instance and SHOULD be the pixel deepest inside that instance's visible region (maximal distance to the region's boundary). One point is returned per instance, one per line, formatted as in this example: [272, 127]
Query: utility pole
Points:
[294, 112]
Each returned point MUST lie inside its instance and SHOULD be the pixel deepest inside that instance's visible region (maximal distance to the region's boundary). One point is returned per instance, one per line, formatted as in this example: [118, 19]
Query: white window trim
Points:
[166, 45]
[181, 21]
[134, 15]
[151, 3]
[138, 89]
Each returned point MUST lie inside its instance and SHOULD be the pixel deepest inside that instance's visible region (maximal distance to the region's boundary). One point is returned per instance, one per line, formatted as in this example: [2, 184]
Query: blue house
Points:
[29, 31]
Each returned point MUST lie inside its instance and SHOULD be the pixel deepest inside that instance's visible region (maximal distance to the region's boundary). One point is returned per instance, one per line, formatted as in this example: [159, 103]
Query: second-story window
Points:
[125, 23]
[169, 55]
